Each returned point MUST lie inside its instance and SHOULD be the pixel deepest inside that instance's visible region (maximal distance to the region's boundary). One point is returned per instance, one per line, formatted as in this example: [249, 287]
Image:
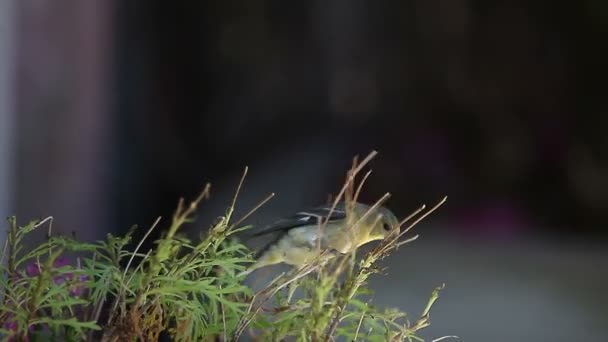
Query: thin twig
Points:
[139, 266]
[406, 241]
[139, 245]
[238, 188]
[351, 178]
[43, 221]
[410, 216]
[385, 247]
[359, 327]
[360, 187]
[445, 337]
[430, 211]
[50, 230]
[258, 206]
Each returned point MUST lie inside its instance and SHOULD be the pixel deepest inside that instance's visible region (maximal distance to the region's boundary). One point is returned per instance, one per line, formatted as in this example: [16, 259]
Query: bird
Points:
[302, 237]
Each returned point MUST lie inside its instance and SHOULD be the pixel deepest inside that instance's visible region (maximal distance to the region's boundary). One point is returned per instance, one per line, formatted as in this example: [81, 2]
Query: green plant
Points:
[190, 290]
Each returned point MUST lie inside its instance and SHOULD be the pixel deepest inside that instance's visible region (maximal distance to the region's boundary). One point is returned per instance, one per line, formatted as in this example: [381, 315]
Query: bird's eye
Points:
[386, 227]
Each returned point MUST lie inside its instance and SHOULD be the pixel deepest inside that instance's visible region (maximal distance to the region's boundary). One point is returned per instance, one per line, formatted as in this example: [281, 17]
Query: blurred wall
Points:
[62, 65]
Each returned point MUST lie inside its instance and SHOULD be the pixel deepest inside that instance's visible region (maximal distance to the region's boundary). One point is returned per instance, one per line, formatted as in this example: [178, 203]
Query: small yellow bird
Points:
[301, 239]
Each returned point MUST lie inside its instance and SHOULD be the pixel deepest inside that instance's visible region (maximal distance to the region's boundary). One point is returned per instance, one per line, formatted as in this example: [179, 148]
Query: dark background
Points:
[497, 105]
[118, 108]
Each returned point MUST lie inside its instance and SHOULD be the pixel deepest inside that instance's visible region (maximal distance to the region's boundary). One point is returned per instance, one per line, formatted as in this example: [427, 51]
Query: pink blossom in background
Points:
[77, 289]
[33, 269]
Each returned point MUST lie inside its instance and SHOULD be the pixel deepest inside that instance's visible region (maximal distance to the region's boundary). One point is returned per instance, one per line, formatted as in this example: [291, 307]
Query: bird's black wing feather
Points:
[304, 218]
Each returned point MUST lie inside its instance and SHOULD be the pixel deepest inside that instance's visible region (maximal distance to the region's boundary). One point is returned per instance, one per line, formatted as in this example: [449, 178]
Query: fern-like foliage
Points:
[110, 290]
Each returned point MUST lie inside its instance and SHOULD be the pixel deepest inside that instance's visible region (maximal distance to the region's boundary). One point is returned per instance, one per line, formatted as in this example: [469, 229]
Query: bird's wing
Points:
[304, 218]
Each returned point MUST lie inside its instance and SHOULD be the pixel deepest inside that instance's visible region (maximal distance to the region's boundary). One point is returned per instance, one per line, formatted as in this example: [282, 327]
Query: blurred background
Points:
[111, 110]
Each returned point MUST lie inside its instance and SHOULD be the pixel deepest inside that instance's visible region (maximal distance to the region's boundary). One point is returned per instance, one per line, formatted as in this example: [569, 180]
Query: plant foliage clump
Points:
[110, 290]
